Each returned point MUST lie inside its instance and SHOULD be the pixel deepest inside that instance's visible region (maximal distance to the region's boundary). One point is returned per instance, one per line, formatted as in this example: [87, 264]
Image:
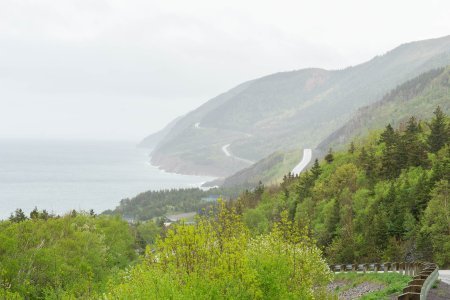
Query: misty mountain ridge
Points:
[288, 110]
[417, 97]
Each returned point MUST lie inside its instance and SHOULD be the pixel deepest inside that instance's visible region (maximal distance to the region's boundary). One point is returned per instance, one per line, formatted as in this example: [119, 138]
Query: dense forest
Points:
[385, 198]
[157, 204]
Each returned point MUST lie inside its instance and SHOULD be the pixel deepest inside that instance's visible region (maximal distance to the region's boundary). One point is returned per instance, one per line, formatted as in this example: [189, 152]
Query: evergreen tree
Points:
[18, 216]
[439, 131]
[34, 214]
[329, 157]
[416, 154]
[351, 149]
[315, 170]
[412, 127]
[392, 159]
[45, 215]
[421, 196]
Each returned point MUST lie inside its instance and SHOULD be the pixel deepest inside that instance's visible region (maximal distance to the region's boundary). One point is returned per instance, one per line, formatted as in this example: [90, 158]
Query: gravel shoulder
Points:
[442, 291]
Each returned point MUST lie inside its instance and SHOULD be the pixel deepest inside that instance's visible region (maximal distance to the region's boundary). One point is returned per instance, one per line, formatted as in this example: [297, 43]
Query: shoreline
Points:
[165, 171]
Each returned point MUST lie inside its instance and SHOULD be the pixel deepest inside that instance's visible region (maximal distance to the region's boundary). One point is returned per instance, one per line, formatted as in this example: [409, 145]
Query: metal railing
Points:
[424, 275]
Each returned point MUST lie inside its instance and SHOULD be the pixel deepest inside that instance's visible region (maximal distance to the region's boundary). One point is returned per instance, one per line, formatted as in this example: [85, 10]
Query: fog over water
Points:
[64, 175]
[108, 69]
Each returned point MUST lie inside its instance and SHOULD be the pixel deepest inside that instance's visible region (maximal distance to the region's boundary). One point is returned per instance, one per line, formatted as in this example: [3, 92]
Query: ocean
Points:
[63, 175]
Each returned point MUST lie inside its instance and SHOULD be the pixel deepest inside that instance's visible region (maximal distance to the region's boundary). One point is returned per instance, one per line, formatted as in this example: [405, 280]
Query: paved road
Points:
[227, 152]
[225, 149]
[307, 155]
[444, 276]
[442, 290]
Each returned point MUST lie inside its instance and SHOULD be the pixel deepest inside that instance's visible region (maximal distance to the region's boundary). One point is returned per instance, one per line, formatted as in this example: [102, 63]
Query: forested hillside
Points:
[157, 204]
[416, 97]
[269, 170]
[287, 110]
[385, 198]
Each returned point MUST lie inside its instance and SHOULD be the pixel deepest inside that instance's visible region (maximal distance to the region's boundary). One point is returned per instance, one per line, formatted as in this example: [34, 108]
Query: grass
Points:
[394, 283]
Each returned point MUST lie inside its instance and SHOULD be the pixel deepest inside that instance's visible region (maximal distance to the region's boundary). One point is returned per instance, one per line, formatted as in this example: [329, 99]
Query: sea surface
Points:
[63, 175]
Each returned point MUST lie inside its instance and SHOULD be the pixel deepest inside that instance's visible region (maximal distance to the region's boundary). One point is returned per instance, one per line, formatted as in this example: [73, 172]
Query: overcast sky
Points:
[121, 69]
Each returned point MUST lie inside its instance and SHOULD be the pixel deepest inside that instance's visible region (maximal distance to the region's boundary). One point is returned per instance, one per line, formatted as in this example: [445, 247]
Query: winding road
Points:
[307, 153]
[227, 152]
[225, 148]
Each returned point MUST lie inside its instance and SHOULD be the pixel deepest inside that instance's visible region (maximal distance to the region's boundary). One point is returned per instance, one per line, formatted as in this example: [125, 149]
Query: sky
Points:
[120, 70]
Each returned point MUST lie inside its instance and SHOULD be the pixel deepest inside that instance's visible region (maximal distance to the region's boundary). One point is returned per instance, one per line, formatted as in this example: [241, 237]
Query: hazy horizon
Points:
[110, 70]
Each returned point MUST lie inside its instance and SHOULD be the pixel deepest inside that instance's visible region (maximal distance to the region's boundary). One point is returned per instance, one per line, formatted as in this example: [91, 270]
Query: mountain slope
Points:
[269, 170]
[153, 139]
[287, 110]
[417, 97]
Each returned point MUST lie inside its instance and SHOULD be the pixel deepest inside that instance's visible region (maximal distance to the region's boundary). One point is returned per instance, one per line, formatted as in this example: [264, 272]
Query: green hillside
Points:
[417, 97]
[288, 110]
[269, 170]
[386, 198]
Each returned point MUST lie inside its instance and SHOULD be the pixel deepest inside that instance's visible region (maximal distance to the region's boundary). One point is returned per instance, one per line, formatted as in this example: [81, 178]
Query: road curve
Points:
[307, 155]
[227, 152]
[225, 147]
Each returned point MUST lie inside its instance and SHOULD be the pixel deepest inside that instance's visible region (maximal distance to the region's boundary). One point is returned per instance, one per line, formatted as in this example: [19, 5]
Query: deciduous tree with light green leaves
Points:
[217, 259]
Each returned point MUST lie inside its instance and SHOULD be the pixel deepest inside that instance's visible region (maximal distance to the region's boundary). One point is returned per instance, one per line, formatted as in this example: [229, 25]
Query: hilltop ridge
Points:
[287, 110]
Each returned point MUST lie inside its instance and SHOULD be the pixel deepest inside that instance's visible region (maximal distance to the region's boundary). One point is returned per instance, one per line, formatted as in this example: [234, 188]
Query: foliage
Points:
[217, 259]
[156, 204]
[418, 97]
[436, 223]
[386, 199]
[69, 255]
[294, 109]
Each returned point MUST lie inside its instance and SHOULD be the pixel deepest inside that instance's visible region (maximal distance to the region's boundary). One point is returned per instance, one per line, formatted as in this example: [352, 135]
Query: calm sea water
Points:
[62, 175]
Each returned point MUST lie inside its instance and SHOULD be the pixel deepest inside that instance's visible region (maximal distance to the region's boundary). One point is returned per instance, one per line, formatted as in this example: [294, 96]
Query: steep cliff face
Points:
[287, 110]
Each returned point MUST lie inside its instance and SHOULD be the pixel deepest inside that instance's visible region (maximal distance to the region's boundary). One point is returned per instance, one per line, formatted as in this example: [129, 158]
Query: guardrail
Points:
[424, 275]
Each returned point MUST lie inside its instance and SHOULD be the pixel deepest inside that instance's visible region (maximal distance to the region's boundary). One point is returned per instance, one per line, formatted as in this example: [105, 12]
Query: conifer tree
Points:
[415, 149]
[329, 157]
[351, 149]
[18, 216]
[34, 214]
[315, 170]
[439, 131]
[392, 159]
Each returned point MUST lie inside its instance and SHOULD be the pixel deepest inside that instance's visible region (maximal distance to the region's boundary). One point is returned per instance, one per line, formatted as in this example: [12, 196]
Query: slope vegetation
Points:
[415, 97]
[386, 198]
[287, 110]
